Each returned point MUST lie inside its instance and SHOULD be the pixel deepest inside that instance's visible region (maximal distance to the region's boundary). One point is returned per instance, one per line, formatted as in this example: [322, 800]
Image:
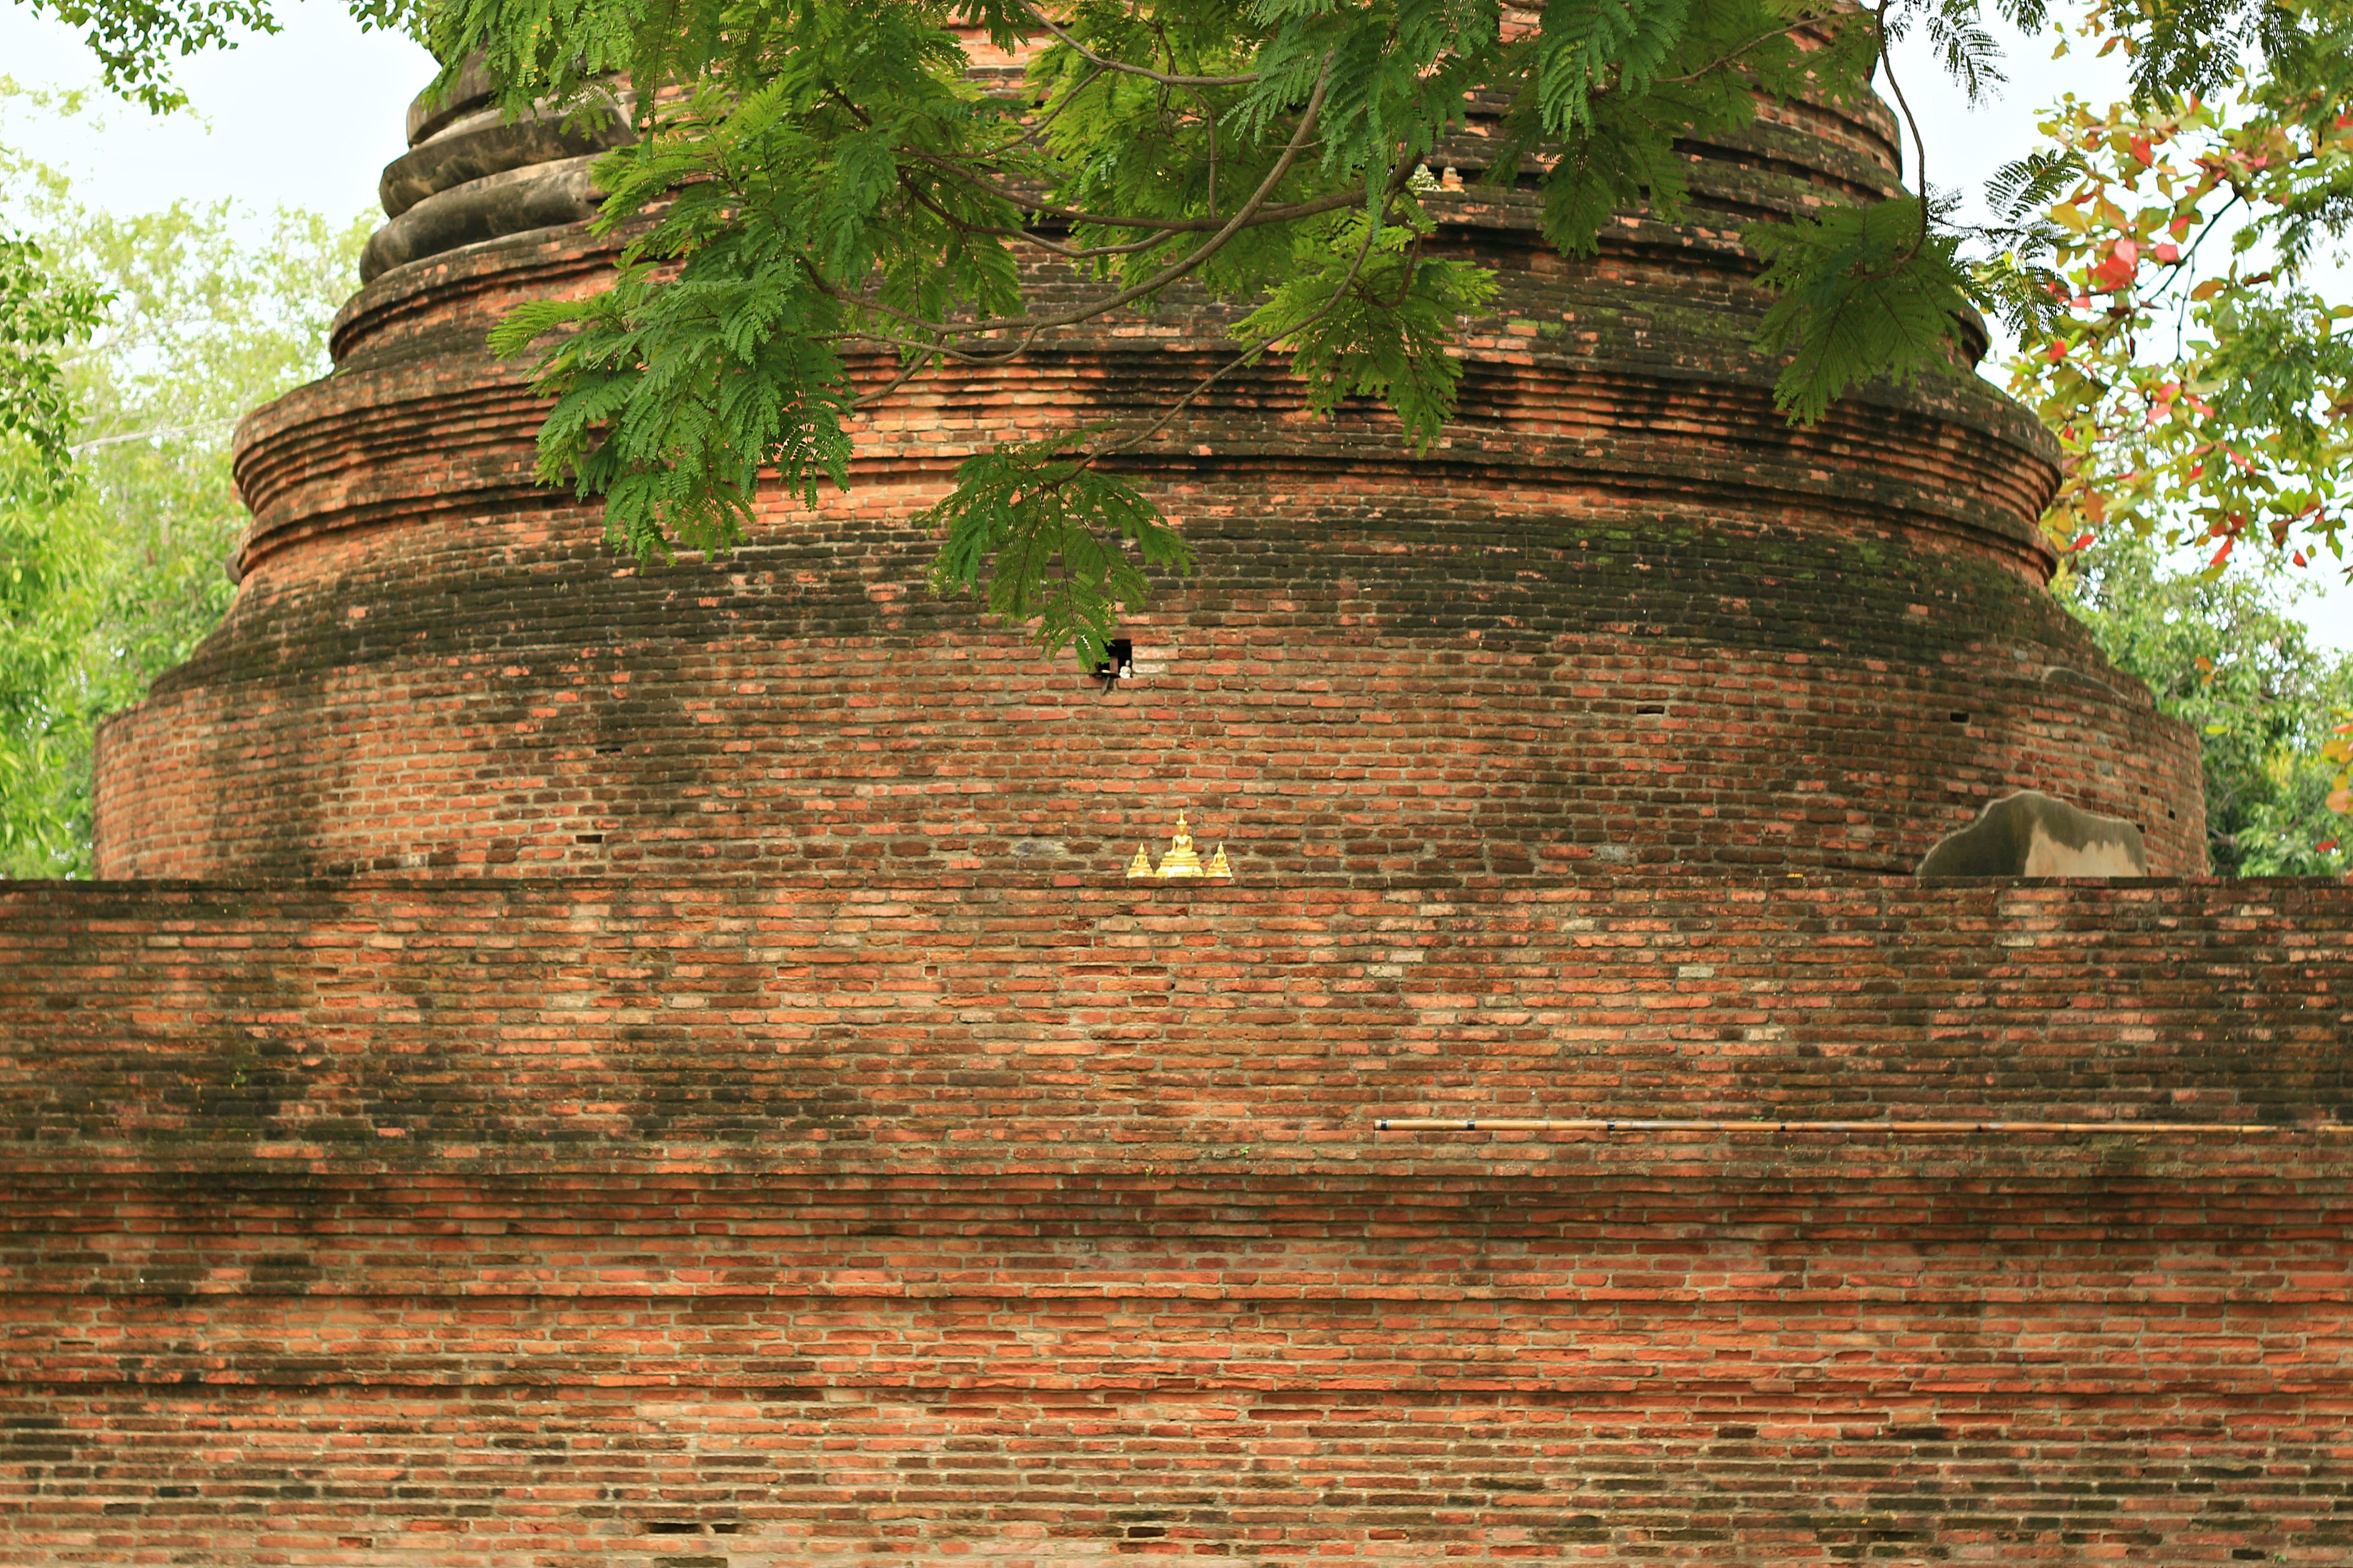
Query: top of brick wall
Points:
[994, 1022]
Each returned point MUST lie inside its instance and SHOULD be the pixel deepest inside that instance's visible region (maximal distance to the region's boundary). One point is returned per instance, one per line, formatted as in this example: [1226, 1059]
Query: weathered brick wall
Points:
[1623, 614]
[714, 1011]
[737, 1223]
[1464, 693]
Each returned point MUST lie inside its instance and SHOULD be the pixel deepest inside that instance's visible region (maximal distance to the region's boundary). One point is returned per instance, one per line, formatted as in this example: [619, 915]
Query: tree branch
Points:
[1165, 78]
[940, 331]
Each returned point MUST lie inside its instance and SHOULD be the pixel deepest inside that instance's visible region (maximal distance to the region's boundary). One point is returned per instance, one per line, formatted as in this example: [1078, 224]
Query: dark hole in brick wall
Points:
[588, 839]
[1960, 718]
[1650, 708]
[672, 1527]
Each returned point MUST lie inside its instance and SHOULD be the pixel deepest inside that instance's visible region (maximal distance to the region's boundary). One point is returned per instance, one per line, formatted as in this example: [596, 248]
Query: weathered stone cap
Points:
[2031, 833]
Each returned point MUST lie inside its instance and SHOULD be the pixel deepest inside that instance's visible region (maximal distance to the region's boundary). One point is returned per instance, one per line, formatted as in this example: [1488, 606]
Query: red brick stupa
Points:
[583, 1065]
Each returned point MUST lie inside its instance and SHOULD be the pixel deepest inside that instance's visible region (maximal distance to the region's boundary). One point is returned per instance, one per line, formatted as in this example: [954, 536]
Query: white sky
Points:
[308, 117]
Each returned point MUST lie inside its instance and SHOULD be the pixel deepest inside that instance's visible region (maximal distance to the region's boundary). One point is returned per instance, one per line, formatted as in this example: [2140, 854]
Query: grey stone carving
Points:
[2031, 833]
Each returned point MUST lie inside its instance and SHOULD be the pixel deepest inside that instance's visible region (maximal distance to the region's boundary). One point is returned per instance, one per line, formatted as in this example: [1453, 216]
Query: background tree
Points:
[2225, 652]
[112, 537]
[2195, 369]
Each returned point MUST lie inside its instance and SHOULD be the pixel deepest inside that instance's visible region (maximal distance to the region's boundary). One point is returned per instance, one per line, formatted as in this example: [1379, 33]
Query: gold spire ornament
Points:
[1182, 860]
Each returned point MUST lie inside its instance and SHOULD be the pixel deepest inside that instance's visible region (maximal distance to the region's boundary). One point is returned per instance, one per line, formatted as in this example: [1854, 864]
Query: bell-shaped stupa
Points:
[1623, 614]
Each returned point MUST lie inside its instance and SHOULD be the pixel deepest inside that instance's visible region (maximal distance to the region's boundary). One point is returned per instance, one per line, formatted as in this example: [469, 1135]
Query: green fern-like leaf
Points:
[1051, 536]
[1862, 293]
[1378, 330]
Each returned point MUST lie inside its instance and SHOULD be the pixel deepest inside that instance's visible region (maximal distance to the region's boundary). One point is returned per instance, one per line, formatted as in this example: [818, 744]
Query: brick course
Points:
[518, 1223]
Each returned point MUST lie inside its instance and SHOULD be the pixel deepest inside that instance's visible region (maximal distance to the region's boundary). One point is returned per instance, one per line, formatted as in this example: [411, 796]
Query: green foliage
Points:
[1611, 144]
[111, 566]
[1032, 520]
[2228, 656]
[135, 41]
[41, 314]
[43, 601]
[2161, 268]
[1375, 325]
[1863, 292]
[1616, 47]
[822, 192]
[817, 183]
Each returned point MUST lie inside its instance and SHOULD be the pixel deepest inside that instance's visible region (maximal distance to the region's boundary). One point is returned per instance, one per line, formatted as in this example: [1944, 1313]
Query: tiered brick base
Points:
[701, 1225]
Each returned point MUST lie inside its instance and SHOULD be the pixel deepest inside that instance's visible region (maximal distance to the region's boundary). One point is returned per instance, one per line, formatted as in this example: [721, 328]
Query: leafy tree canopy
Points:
[116, 503]
[2226, 654]
[821, 178]
[2187, 349]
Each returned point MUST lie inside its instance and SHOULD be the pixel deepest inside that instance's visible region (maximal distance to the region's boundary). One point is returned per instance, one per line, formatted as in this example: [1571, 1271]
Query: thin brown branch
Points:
[1733, 57]
[1174, 272]
[1165, 78]
[1248, 355]
[911, 366]
[1919, 142]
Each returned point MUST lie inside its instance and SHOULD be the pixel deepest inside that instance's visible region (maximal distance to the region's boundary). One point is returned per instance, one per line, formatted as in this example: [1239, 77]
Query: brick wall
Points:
[767, 1223]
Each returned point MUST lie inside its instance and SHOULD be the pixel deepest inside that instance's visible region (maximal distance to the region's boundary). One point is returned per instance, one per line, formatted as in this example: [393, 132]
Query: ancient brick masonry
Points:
[756, 1223]
[663, 1070]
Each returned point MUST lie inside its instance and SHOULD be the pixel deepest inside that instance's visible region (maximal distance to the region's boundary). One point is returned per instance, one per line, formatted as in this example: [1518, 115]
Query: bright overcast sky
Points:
[308, 117]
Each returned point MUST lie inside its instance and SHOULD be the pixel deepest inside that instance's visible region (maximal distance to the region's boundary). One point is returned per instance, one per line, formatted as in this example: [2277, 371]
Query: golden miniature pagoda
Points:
[1182, 859]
